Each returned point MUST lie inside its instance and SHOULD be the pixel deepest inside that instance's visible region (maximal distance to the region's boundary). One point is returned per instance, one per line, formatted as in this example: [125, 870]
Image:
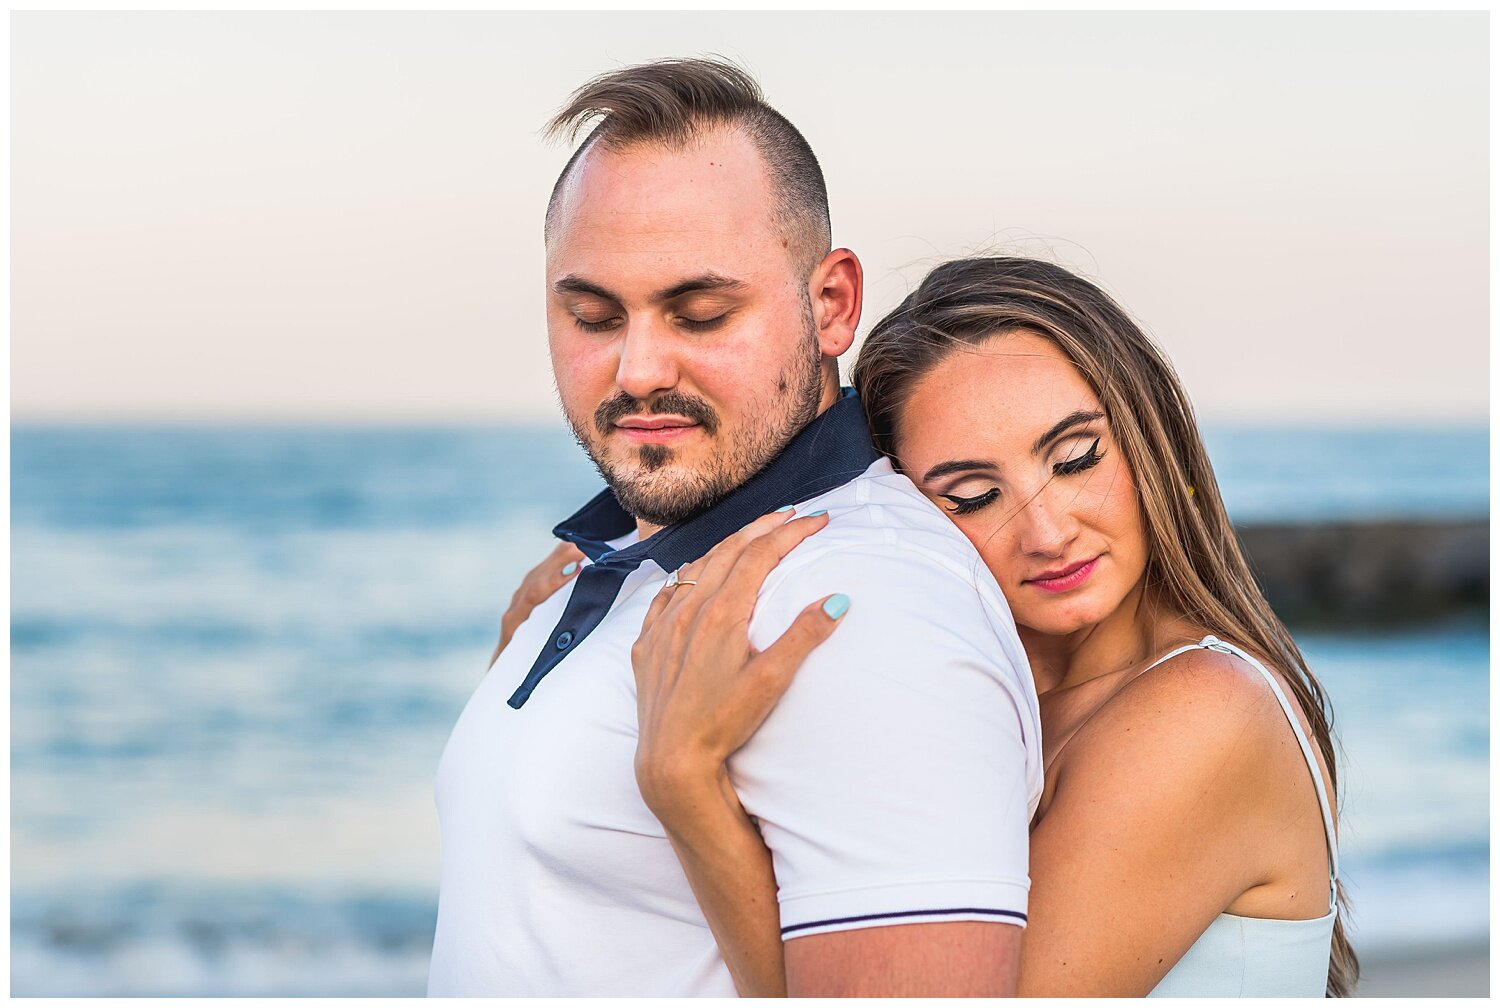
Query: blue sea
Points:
[237, 653]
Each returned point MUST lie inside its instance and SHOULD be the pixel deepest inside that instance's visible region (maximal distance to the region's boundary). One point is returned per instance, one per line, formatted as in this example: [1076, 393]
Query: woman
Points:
[1184, 843]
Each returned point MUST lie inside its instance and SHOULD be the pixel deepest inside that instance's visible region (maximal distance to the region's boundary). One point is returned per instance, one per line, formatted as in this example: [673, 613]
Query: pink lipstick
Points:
[1065, 578]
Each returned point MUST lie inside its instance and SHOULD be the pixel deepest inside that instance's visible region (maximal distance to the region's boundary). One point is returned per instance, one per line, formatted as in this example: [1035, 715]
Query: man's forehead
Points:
[662, 200]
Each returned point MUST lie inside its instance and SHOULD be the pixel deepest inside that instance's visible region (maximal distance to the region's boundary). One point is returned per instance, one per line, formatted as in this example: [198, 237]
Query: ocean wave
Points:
[236, 656]
[165, 939]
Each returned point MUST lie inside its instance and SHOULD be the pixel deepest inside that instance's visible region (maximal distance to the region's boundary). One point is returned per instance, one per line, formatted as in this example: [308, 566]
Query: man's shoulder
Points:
[917, 586]
[883, 522]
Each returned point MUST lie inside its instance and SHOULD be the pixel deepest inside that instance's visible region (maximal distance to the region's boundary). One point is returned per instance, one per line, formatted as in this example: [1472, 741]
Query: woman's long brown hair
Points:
[1195, 566]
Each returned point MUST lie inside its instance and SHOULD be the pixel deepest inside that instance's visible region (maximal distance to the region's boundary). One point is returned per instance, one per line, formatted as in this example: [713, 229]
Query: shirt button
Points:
[564, 640]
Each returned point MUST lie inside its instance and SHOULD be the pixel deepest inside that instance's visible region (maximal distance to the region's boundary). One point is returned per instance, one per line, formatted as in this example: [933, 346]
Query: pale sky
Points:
[294, 217]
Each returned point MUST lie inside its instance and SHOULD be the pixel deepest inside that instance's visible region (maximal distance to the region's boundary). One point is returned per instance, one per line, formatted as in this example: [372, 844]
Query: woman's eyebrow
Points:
[959, 465]
[1071, 420]
[984, 465]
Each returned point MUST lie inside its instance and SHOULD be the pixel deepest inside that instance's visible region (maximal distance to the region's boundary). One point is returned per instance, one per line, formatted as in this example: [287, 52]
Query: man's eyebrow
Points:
[958, 465]
[1071, 420]
[572, 284]
[705, 282]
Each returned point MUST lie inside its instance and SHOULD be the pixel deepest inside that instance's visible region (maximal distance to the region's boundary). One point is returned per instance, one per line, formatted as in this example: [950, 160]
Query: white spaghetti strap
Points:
[1213, 643]
[1182, 650]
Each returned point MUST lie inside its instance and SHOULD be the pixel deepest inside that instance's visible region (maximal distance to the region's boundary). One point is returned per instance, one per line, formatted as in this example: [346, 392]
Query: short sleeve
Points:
[895, 780]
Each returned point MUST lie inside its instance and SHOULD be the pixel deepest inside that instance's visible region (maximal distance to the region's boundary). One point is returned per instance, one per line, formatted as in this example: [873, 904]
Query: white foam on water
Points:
[163, 967]
[369, 840]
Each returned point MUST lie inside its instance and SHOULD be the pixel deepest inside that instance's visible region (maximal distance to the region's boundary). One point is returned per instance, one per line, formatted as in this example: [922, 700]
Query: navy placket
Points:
[827, 453]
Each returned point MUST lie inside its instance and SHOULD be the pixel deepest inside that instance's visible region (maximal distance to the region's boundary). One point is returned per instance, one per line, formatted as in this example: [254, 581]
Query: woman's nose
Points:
[1045, 524]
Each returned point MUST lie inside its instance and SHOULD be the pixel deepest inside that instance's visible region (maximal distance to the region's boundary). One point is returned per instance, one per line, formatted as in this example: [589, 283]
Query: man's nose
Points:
[648, 360]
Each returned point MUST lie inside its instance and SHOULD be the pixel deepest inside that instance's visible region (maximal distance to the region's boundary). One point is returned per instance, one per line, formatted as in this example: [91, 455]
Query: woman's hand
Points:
[536, 587]
[701, 689]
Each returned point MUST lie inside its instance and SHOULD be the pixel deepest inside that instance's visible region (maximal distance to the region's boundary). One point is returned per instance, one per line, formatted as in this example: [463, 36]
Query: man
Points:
[696, 310]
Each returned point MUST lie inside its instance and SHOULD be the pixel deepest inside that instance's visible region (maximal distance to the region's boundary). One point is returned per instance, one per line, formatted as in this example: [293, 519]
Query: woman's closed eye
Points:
[1081, 463]
[968, 505]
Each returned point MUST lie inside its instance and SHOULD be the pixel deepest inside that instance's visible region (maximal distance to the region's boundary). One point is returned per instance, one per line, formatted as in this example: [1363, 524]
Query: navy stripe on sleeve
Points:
[903, 913]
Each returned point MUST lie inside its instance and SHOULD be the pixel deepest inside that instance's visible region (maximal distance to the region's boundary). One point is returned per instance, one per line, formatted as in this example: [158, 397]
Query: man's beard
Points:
[645, 483]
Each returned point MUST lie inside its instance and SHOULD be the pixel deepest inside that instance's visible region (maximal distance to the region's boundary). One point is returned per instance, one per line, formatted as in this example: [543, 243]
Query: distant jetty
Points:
[1366, 573]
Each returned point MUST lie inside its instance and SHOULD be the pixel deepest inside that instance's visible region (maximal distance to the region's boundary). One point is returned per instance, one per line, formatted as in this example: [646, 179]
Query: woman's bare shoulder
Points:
[1203, 716]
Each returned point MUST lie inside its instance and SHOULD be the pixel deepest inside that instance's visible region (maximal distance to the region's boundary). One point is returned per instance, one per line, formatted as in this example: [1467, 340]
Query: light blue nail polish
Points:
[836, 606]
[782, 510]
[814, 515]
[568, 570]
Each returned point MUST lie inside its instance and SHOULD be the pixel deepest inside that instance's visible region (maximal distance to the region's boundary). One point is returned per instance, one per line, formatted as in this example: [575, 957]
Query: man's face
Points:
[682, 338]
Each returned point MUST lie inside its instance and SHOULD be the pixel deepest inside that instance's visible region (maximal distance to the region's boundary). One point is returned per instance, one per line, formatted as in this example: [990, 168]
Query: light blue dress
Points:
[1253, 956]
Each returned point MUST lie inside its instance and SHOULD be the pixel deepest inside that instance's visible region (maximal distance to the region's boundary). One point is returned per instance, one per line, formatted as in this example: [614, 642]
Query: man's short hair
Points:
[669, 102]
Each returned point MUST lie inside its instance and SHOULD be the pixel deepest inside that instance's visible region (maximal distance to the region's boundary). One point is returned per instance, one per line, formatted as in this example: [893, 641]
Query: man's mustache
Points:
[620, 405]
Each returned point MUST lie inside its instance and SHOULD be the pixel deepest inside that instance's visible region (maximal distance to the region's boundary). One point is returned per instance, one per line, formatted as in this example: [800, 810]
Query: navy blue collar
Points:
[827, 453]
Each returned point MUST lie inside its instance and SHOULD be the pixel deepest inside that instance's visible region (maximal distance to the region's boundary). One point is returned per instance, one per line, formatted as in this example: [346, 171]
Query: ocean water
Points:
[237, 654]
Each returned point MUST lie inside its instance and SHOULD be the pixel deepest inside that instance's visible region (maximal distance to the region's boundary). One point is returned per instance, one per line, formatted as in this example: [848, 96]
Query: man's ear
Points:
[836, 289]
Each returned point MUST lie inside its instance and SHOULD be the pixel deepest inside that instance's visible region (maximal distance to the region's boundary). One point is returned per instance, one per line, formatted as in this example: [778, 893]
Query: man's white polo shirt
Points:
[893, 783]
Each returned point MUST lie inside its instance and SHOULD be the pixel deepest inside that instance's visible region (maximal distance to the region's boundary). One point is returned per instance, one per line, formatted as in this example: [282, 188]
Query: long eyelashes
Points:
[968, 505]
[1082, 463]
[1072, 467]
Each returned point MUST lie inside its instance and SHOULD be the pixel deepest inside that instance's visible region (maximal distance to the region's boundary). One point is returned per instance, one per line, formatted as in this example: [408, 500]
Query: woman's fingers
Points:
[546, 577]
[697, 581]
[701, 689]
[658, 606]
[719, 561]
[760, 556]
[731, 574]
[560, 567]
[777, 664]
[768, 540]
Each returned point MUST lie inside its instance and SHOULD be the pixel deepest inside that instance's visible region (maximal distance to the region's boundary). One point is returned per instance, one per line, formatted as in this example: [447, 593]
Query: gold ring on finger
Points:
[674, 579]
